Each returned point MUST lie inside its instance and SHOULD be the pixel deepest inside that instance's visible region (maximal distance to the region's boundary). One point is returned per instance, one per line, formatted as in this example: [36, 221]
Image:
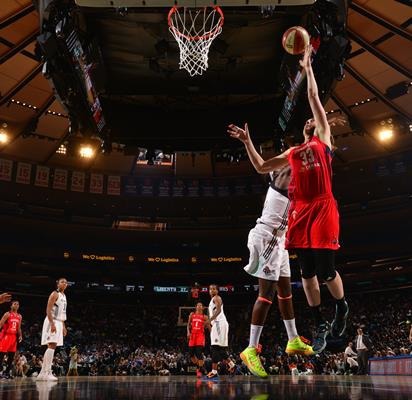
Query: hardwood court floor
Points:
[239, 387]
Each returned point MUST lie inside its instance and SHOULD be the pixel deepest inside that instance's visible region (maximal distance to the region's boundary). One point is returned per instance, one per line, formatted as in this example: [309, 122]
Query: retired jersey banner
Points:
[42, 176]
[6, 168]
[96, 183]
[113, 185]
[23, 173]
[60, 179]
[78, 179]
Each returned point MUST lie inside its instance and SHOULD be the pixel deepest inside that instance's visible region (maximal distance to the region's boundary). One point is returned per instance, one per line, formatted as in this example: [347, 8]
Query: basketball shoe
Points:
[339, 323]
[298, 346]
[251, 359]
[319, 340]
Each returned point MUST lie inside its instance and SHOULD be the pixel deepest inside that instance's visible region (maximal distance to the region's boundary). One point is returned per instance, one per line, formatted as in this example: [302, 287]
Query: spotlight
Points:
[62, 149]
[4, 138]
[385, 135]
[86, 151]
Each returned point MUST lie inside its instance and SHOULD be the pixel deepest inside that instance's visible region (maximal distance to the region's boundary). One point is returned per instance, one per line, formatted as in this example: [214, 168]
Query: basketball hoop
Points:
[194, 31]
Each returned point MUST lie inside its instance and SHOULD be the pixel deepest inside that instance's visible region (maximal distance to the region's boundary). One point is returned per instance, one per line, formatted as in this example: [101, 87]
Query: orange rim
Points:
[174, 9]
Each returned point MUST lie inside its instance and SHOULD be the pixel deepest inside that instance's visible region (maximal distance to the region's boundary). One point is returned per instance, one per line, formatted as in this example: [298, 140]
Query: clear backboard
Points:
[191, 3]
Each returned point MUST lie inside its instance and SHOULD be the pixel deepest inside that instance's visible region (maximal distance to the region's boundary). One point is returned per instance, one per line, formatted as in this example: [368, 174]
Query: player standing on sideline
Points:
[196, 336]
[313, 230]
[54, 328]
[9, 335]
[219, 333]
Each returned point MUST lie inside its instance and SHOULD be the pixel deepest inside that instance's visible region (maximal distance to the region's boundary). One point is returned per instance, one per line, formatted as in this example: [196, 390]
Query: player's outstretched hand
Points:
[238, 133]
[5, 298]
[305, 62]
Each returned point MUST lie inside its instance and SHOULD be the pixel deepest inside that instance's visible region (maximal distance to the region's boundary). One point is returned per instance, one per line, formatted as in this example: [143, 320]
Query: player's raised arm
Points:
[4, 319]
[261, 166]
[319, 114]
[50, 303]
[218, 302]
[5, 298]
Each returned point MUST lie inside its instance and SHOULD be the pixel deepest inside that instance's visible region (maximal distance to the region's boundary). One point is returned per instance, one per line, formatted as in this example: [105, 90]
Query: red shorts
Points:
[197, 340]
[8, 344]
[314, 224]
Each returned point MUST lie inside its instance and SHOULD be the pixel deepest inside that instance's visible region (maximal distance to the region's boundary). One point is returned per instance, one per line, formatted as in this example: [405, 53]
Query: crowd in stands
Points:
[138, 340]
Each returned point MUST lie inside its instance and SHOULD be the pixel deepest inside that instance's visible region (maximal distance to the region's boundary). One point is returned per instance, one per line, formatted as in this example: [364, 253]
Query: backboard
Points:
[191, 3]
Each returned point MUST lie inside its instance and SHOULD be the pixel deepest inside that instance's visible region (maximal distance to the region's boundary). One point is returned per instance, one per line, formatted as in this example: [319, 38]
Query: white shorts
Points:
[268, 257]
[219, 333]
[48, 337]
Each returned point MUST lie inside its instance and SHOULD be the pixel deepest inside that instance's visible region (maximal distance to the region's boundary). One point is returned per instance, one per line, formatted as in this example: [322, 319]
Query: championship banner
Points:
[78, 179]
[164, 188]
[208, 189]
[23, 173]
[147, 187]
[129, 186]
[60, 179]
[96, 183]
[193, 189]
[178, 188]
[6, 168]
[113, 185]
[42, 176]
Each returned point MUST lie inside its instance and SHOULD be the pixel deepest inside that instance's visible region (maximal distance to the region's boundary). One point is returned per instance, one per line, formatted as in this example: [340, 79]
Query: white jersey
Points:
[275, 210]
[60, 307]
[212, 309]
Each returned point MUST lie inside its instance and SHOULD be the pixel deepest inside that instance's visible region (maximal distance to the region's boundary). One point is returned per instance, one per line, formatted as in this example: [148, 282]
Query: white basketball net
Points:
[194, 31]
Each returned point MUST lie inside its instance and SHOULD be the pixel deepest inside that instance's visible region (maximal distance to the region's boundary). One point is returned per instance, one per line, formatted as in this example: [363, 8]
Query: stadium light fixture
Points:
[4, 137]
[86, 151]
[385, 135]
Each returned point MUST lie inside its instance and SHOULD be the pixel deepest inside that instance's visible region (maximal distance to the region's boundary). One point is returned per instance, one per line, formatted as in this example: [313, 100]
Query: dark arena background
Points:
[117, 173]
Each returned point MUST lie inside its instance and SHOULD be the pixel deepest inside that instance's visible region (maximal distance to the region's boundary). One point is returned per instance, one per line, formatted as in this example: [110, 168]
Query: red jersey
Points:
[311, 165]
[11, 327]
[198, 324]
[197, 333]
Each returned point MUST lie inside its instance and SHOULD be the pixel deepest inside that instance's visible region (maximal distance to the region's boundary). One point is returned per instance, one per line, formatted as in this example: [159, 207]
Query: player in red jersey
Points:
[313, 217]
[10, 326]
[196, 336]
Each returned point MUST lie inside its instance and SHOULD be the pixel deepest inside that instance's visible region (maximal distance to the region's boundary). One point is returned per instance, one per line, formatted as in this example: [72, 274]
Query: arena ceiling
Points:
[378, 69]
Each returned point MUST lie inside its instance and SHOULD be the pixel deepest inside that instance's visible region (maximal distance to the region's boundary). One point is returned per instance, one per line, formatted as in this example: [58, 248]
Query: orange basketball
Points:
[295, 40]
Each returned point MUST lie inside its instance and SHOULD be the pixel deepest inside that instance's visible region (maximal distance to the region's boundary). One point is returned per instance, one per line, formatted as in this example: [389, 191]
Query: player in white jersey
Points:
[219, 332]
[269, 262]
[54, 328]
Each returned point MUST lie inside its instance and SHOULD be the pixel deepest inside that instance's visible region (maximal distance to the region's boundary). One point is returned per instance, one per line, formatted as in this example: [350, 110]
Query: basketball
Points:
[295, 39]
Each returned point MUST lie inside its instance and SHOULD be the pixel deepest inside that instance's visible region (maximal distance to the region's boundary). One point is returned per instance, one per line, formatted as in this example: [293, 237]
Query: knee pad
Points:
[326, 272]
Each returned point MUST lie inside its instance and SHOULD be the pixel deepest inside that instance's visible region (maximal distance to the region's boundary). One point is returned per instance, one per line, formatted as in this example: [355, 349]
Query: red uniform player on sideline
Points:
[9, 335]
[196, 336]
